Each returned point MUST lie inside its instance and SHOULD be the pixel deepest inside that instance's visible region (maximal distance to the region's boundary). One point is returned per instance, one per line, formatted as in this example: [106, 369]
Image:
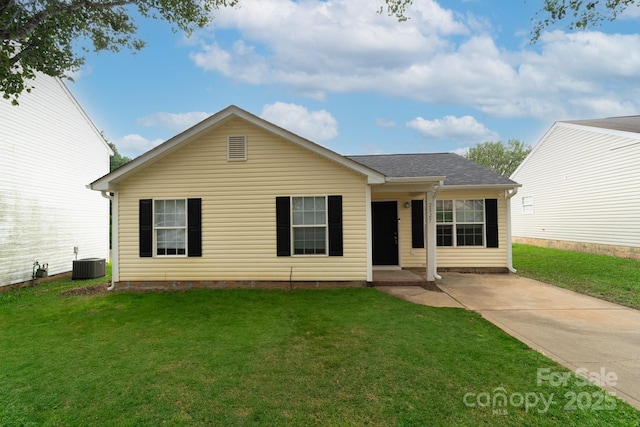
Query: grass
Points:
[612, 279]
[250, 357]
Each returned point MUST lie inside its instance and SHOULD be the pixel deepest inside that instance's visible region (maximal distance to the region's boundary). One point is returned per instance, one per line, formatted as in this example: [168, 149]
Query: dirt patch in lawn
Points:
[100, 288]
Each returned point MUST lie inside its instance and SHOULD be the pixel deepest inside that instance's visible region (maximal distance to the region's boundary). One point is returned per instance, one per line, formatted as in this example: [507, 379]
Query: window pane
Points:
[171, 241]
[181, 213]
[444, 235]
[469, 210]
[309, 211]
[469, 235]
[309, 218]
[444, 210]
[170, 213]
[309, 241]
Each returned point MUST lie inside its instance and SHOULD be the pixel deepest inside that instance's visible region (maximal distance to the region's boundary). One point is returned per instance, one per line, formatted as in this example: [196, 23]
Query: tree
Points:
[585, 13]
[42, 35]
[498, 157]
[117, 159]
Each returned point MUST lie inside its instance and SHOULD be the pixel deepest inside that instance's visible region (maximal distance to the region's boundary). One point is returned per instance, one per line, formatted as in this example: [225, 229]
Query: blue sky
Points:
[456, 74]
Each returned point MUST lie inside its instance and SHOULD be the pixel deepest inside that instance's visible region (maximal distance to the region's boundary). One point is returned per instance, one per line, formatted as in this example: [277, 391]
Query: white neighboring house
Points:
[49, 151]
[581, 187]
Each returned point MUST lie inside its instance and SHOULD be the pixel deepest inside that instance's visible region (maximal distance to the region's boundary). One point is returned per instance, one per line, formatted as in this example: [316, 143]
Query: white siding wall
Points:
[49, 152]
[585, 184]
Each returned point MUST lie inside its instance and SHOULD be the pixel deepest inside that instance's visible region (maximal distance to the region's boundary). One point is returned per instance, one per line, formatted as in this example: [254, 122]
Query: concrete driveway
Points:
[577, 331]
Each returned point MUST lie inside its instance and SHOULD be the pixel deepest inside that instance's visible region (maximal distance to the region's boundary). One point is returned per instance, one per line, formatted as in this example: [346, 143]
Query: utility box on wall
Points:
[88, 268]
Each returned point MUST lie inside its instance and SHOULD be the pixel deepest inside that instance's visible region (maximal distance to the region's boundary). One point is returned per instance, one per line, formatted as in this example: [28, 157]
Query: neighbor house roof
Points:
[624, 124]
[458, 170]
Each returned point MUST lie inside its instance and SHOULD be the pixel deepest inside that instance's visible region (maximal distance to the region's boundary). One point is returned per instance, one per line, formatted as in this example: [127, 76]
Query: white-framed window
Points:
[527, 205]
[309, 225]
[170, 227]
[460, 223]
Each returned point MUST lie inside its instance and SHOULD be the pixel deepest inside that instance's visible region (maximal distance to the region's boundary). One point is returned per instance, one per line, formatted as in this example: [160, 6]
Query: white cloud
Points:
[133, 145]
[319, 47]
[173, 121]
[313, 125]
[464, 129]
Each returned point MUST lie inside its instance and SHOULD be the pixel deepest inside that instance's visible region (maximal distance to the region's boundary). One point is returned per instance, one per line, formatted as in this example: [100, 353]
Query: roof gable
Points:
[626, 127]
[110, 181]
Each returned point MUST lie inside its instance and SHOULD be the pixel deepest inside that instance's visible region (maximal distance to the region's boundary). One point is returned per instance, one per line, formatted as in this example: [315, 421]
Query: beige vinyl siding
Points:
[584, 182]
[476, 256]
[238, 210]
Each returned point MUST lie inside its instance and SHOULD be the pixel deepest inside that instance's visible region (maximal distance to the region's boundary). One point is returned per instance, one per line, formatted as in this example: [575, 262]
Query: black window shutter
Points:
[417, 223]
[194, 227]
[491, 212]
[145, 222]
[283, 226]
[335, 225]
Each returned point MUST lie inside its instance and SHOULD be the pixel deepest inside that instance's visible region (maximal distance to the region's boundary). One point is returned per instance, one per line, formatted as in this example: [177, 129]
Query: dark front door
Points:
[385, 233]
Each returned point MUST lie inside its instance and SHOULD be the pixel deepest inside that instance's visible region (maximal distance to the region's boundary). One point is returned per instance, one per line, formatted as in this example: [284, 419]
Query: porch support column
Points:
[369, 234]
[430, 235]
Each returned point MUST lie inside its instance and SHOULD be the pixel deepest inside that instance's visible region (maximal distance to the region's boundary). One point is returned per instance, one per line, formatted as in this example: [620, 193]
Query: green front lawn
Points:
[613, 279]
[250, 357]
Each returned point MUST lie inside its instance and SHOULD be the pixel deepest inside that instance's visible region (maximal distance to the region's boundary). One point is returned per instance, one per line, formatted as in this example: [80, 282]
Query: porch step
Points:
[402, 278]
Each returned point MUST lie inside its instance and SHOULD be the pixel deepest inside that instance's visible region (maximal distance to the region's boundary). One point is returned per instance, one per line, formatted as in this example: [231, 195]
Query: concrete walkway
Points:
[577, 331]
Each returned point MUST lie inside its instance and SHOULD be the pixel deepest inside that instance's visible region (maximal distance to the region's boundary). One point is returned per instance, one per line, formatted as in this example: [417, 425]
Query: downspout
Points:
[107, 195]
[508, 196]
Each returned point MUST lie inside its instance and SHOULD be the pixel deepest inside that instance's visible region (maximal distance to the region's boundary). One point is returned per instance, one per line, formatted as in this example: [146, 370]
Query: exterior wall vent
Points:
[88, 268]
[237, 148]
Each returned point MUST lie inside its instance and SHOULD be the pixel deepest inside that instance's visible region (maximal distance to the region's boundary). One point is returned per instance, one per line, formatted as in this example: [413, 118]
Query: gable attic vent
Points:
[236, 148]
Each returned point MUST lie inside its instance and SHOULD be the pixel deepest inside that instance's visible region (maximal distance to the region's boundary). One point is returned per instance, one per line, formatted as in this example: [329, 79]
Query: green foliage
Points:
[41, 35]
[582, 13]
[342, 357]
[397, 8]
[498, 157]
[117, 159]
[610, 278]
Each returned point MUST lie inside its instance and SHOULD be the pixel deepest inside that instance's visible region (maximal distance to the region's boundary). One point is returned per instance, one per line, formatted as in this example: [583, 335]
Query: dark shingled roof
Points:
[457, 169]
[625, 124]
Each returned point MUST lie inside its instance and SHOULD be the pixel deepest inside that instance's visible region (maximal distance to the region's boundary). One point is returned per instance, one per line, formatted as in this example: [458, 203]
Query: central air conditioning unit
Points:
[88, 268]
